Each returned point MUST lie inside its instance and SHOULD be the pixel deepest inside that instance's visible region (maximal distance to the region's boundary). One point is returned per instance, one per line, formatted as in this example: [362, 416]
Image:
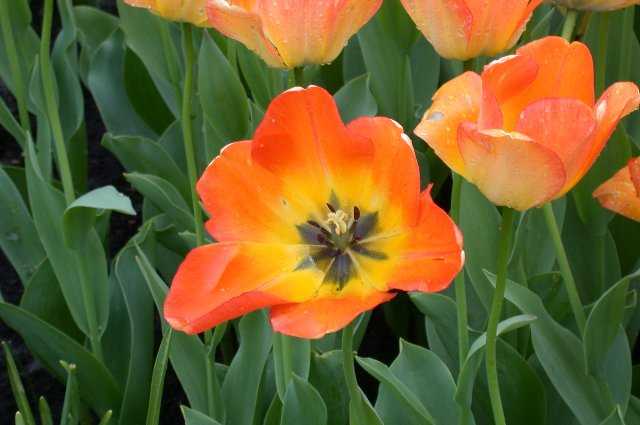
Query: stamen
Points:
[340, 221]
[356, 213]
[331, 208]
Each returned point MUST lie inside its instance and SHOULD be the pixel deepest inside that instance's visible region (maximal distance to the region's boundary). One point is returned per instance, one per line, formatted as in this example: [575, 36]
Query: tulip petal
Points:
[558, 65]
[433, 252]
[219, 282]
[316, 318]
[565, 126]
[619, 194]
[237, 21]
[509, 168]
[303, 141]
[634, 170]
[455, 102]
[246, 201]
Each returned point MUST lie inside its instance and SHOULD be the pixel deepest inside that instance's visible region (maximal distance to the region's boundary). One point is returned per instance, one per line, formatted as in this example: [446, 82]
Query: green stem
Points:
[347, 360]
[51, 104]
[459, 284]
[469, 65]
[603, 37]
[565, 269]
[569, 25]
[189, 151]
[296, 77]
[14, 66]
[506, 232]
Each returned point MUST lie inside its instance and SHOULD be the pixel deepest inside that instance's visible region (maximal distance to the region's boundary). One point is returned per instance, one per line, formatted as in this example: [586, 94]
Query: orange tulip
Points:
[465, 29]
[621, 193]
[192, 11]
[527, 129]
[596, 5]
[317, 220]
[292, 33]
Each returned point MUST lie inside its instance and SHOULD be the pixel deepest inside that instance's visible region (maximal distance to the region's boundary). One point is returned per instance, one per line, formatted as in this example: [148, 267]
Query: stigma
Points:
[339, 221]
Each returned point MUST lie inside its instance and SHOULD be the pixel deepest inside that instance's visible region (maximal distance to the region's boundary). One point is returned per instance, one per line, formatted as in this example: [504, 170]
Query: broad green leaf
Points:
[633, 412]
[157, 379]
[615, 418]
[291, 356]
[9, 123]
[193, 417]
[264, 82]
[355, 100]
[327, 376]
[94, 27]
[617, 370]
[50, 346]
[413, 367]
[303, 404]
[223, 99]
[240, 387]
[361, 412]
[16, 386]
[425, 68]
[274, 412]
[45, 412]
[80, 215]
[18, 236]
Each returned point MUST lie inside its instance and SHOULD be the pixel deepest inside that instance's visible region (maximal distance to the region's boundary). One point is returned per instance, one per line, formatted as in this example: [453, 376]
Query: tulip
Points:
[315, 220]
[527, 129]
[465, 29]
[192, 11]
[292, 33]
[621, 193]
[596, 5]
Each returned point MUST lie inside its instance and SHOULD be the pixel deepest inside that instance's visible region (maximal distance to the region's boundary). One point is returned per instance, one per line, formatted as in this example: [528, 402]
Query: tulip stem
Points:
[52, 108]
[189, 151]
[14, 66]
[347, 361]
[565, 268]
[569, 25]
[469, 65]
[506, 232]
[459, 284]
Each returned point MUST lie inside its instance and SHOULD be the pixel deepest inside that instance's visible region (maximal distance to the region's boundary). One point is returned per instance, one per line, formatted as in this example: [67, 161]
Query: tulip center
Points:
[337, 241]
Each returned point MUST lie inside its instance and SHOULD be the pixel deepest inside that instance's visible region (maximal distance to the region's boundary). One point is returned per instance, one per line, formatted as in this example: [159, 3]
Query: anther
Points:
[331, 208]
[356, 213]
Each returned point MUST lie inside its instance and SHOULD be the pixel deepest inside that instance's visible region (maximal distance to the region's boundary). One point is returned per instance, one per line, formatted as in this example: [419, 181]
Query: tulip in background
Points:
[191, 11]
[596, 5]
[465, 29]
[527, 129]
[621, 193]
[292, 33]
[318, 221]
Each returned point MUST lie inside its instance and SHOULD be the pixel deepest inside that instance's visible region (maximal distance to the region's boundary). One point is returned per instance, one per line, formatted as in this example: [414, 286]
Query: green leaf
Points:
[45, 412]
[327, 376]
[106, 418]
[303, 404]
[50, 346]
[403, 393]
[274, 412]
[71, 407]
[355, 100]
[223, 99]
[80, 215]
[9, 123]
[413, 367]
[193, 417]
[16, 386]
[263, 81]
[240, 387]
[157, 379]
[425, 68]
[18, 236]
[291, 356]
[361, 412]
[615, 418]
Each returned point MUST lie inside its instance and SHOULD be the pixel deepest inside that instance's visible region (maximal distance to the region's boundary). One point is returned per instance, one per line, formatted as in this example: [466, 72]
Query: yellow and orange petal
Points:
[192, 11]
[464, 29]
[621, 193]
[596, 5]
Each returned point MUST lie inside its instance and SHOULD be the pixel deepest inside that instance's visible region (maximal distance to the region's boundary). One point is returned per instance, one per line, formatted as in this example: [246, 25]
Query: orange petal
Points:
[565, 126]
[245, 201]
[316, 318]
[433, 254]
[313, 32]
[455, 102]
[238, 21]
[616, 102]
[619, 194]
[634, 170]
[219, 282]
[559, 63]
[510, 168]
[394, 176]
[446, 24]
[303, 141]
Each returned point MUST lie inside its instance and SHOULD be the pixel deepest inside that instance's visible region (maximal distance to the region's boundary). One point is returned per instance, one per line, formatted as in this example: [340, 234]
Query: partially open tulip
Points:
[314, 219]
[527, 129]
[465, 29]
[621, 193]
[596, 5]
[292, 33]
[192, 11]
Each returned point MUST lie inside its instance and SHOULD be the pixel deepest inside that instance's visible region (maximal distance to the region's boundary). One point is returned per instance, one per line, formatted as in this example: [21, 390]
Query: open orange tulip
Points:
[292, 33]
[527, 129]
[192, 11]
[596, 5]
[621, 193]
[317, 220]
[465, 29]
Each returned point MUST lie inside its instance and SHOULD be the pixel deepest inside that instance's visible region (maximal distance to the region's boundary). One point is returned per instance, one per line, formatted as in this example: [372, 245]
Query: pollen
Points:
[340, 221]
